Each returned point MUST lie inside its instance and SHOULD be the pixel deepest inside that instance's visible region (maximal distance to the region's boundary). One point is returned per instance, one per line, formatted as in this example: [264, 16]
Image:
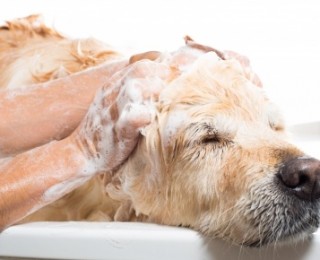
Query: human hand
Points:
[245, 63]
[110, 130]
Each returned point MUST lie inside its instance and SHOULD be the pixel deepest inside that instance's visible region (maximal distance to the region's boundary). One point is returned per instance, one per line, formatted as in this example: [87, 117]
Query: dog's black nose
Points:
[302, 176]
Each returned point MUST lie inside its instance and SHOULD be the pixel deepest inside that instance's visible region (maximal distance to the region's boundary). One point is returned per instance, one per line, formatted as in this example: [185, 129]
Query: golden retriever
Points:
[216, 157]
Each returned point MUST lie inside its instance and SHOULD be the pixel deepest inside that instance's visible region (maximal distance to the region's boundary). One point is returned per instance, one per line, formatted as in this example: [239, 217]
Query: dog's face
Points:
[212, 161]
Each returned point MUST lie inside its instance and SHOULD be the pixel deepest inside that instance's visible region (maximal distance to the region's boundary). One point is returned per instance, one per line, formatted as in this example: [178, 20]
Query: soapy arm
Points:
[48, 111]
[104, 139]
[26, 180]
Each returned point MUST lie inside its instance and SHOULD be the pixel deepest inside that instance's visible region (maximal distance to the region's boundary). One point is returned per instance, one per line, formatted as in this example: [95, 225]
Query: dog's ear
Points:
[150, 55]
[191, 43]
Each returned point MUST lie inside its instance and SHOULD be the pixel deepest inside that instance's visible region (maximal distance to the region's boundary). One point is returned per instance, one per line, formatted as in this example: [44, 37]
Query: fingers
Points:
[245, 63]
[150, 55]
[133, 118]
[135, 103]
[122, 138]
[134, 107]
[139, 82]
[120, 110]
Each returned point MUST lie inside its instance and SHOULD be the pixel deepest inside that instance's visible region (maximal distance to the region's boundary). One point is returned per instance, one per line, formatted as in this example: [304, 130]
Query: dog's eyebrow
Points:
[190, 42]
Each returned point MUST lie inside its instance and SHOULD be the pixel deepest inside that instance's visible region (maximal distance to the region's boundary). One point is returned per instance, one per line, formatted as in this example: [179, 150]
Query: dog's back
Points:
[31, 52]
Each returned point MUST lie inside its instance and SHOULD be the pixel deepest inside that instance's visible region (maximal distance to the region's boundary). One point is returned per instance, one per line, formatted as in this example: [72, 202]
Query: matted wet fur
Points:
[209, 161]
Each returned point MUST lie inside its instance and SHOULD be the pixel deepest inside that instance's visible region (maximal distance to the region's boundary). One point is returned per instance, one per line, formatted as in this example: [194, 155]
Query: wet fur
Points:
[217, 175]
[25, 59]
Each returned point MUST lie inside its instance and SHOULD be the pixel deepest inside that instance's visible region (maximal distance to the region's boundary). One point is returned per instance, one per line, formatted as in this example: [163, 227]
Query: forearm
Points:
[107, 135]
[49, 111]
[38, 177]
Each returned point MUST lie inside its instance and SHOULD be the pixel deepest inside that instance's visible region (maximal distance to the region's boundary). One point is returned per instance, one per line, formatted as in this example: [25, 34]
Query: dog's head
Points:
[217, 159]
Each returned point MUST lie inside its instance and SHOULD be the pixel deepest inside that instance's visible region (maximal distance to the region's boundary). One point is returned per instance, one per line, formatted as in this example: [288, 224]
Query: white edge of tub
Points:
[135, 241]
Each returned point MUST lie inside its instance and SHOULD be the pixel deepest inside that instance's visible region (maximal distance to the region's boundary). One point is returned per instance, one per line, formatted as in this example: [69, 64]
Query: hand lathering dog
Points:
[215, 156]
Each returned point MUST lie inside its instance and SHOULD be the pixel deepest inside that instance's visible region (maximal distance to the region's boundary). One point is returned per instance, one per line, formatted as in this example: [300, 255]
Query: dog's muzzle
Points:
[288, 207]
[301, 176]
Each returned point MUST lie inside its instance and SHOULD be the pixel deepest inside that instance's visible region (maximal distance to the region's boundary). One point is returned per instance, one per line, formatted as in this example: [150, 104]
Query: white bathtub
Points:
[133, 241]
[137, 241]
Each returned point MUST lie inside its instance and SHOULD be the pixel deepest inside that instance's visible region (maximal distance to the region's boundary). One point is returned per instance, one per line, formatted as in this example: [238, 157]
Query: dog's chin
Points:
[273, 239]
[266, 216]
[275, 217]
[294, 237]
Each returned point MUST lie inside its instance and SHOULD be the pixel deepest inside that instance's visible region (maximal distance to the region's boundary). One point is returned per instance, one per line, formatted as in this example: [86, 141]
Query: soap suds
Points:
[175, 121]
[60, 189]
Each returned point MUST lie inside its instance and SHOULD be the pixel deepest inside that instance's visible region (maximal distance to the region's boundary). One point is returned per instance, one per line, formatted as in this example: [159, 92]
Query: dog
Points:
[216, 158]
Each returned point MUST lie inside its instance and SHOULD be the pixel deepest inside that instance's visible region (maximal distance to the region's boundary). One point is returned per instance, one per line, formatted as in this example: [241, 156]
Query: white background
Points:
[282, 38]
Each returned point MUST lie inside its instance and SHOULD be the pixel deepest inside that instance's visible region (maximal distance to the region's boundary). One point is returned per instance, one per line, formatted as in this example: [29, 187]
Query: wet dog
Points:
[216, 157]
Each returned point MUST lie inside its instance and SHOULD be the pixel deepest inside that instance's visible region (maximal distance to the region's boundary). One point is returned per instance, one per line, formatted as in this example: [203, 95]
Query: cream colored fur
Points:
[30, 53]
[203, 172]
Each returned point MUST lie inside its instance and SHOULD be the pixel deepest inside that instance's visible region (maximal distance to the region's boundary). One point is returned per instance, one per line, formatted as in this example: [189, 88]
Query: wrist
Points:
[85, 153]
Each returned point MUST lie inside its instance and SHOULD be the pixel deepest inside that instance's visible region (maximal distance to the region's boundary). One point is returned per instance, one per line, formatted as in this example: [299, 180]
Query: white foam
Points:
[182, 59]
[175, 121]
[133, 90]
[60, 189]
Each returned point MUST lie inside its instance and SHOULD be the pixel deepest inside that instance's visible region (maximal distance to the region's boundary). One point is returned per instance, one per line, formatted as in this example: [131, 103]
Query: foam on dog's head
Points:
[216, 144]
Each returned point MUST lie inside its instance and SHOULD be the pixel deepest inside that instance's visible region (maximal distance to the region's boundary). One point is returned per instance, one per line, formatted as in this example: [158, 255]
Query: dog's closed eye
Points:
[216, 141]
[209, 139]
[207, 134]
